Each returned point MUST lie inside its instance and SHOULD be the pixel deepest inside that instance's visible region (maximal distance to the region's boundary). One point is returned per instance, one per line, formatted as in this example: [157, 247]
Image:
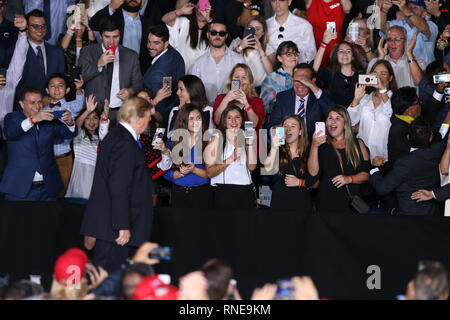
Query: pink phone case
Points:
[203, 5]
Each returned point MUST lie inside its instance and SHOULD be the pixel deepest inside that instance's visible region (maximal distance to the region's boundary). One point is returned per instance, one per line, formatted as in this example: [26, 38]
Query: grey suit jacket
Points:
[130, 75]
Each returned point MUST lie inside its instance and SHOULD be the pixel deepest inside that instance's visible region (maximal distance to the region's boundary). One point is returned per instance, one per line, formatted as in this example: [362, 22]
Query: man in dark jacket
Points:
[119, 212]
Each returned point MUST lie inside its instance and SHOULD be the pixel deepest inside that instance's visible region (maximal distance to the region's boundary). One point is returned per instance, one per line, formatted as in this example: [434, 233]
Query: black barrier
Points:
[344, 254]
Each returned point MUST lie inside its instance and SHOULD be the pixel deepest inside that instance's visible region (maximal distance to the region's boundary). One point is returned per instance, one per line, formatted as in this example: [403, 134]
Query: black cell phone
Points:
[58, 114]
[161, 253]
[249, 31]
[3, 72]
[74, 73]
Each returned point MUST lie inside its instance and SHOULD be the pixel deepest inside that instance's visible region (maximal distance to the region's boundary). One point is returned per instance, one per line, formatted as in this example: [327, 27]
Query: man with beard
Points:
[133, 27]
[215, 65]
[166, 62]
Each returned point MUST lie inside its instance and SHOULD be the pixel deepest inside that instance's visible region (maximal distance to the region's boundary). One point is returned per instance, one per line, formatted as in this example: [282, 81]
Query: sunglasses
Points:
[220, 33]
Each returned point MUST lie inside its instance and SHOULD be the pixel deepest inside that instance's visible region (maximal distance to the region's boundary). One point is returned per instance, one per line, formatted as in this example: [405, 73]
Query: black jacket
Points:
[121, 195]
[417, 170]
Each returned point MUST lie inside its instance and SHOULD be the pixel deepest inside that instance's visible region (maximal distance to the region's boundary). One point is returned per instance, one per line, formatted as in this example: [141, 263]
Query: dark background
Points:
[261, 245]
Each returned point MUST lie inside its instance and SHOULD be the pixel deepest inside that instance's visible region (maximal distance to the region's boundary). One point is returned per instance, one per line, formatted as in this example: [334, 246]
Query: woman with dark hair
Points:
[371, 109]
[92, 129]
[229, 162]
[188, 27]
[339, 162]
[281, 79]
[191, 90]
[290, 189]
[191, 187]
[253, 49]
[344, 69]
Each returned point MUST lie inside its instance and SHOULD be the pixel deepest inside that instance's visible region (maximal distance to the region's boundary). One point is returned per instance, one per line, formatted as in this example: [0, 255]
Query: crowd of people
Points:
[351, 98]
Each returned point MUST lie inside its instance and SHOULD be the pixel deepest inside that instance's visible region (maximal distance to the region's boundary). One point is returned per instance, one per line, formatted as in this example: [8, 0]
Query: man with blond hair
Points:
[119, 212]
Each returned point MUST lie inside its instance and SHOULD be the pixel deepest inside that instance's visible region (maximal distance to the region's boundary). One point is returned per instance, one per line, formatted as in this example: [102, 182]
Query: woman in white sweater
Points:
[371, 111]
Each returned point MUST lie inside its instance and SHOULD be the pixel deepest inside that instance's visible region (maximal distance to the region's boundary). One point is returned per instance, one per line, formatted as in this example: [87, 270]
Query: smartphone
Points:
[112, 48]
[235, 84]
[280, 135]
[440, 78]
[320, 126]
[58, 114]
[167, 81]
[159, 134]
[331, 25]
[353, 31]
[161, 253]
[249, 31]
[3, 72]
[248, 125]
[203, 5]
[285, 290]
[367, 79]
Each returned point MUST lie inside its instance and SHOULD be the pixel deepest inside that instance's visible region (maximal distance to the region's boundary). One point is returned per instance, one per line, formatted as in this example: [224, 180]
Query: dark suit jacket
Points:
[417, 170]
[34, 75]
[398, 144]
[121, 196]
[96, 82]
[442, 193]
[29, 152]
[170, 64]
[316, 109]
[95, 24]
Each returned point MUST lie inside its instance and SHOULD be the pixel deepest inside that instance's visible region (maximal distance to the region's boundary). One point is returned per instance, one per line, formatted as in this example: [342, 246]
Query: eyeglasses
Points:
[39, 26]
[290, 54]
[220, 33]
[394, 39]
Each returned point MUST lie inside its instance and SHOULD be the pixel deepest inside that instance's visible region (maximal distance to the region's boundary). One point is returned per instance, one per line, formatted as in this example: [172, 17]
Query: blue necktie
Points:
[300, 111]
[47, 13]
[139, 143]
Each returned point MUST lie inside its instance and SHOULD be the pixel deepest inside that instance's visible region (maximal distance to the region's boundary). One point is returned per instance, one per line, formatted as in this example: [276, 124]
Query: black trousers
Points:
[192, 197]
[233, 196]
[110, 255]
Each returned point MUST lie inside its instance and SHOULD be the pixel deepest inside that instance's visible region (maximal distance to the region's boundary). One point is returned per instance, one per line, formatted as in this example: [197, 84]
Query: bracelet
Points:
[248, 108]
[32, 121]
[104, 119]
[413, 59]
[239, 48]
[323, 43]
[301, 182]
[323, 46]
[247, 5]
[351, 177]
[176, 13]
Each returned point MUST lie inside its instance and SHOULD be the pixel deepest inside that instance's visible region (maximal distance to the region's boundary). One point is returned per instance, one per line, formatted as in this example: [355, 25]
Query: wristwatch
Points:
[413, 59]
[382, 91]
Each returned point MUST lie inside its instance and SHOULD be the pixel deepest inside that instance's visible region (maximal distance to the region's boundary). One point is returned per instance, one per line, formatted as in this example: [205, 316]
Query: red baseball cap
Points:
[71, 265]
[152, 288]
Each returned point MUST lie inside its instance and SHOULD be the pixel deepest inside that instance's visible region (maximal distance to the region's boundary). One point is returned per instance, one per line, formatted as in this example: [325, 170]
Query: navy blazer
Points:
[34, 75]
[29, 152]
[316, 109]
[121, 195]
[170, 64]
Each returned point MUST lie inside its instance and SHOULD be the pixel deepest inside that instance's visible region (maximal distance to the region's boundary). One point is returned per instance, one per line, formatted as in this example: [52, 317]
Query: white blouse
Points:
[180, 40]
[237, 172]
[374, 124]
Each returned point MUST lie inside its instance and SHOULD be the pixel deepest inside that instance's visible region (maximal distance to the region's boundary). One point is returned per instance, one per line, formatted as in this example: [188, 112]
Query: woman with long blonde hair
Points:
[290, 190]
[339, 162]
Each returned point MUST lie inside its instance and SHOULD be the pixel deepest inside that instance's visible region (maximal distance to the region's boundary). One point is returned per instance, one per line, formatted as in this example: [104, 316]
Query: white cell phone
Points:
[167, 81]
[353, 31]
[331, 25]
[280, 135]
[320, 126]
[159, 134]
[248, 125]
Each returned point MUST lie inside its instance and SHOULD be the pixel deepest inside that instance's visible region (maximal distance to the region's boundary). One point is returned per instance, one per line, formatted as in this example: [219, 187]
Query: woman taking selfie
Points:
[371, 109]
[338, 161]
[229, 160]
[290, 189]
[191, 186]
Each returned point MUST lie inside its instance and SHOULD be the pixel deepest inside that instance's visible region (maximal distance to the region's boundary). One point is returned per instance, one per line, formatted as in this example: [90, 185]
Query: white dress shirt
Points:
[374, 124]
[214, 75]
[296, 29]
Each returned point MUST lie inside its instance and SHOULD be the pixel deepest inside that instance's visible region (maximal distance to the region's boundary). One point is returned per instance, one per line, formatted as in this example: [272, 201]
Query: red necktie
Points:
[58, 104]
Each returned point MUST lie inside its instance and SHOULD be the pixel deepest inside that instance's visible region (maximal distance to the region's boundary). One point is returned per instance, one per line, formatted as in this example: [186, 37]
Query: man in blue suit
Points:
[305, 99]
[31, 172]
[167, 62]
[43, 59]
